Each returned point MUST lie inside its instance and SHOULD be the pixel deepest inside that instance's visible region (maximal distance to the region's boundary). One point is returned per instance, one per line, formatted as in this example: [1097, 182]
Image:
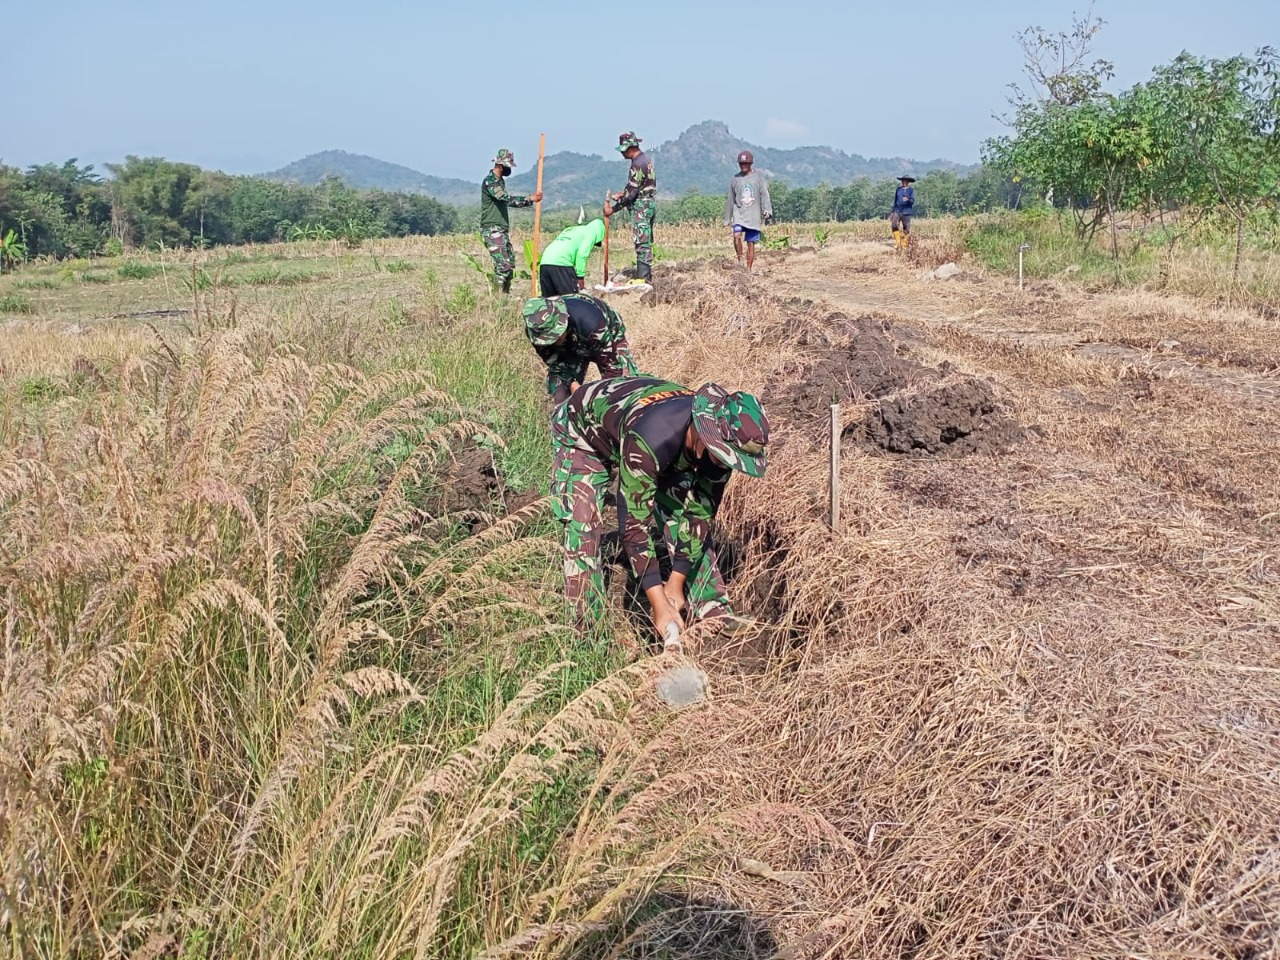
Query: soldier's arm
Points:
[635, 179]
[694, 530]
[564, 370]
[614, 359]
[498, 191]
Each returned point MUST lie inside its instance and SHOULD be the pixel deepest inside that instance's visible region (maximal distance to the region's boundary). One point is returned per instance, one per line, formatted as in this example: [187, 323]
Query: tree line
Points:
[1198, 141]
[68, 210]
[938, 193]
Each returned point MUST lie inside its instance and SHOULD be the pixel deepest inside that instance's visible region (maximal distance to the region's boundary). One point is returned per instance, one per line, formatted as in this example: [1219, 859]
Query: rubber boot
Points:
[506, 285]
[644, 271]
[897, 239]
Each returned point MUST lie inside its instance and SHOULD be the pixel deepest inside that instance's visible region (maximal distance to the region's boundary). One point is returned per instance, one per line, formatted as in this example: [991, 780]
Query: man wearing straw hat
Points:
[495, 225]
[571, 332]
[904, 202]
[674, 451]
[639, 195]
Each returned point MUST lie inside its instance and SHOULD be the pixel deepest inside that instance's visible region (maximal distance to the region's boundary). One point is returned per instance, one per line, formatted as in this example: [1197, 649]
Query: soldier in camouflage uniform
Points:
[674, 450]
[495, 226]
[573, 331]
[640, 194]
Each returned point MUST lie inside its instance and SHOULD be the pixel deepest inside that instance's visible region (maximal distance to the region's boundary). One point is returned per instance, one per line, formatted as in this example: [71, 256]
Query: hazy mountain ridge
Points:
[702, 158]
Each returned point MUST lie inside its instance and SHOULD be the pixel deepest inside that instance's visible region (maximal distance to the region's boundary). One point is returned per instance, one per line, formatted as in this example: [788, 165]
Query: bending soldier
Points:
[674, 451]
[563, 267]
[495, 224]
[573, 331]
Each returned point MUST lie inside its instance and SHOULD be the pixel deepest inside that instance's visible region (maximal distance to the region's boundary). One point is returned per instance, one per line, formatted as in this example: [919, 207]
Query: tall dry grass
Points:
[260, 699]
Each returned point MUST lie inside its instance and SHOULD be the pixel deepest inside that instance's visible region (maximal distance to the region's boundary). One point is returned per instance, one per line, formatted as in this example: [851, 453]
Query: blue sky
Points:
[248, 85]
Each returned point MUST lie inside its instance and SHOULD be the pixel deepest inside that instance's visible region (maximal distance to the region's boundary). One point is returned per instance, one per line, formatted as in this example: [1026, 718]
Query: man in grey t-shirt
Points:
[747, 207]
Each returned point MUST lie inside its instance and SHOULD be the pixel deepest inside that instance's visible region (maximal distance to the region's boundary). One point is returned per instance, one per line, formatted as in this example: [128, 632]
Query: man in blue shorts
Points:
[747, 207]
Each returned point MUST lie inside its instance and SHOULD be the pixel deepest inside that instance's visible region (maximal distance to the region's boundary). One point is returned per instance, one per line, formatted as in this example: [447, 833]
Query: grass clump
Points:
[37, 283]
[275, 277]
[134, 270]
[16, 303]
[399, 266]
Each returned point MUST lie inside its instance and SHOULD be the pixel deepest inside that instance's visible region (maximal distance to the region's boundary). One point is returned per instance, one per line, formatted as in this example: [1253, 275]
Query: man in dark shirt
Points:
[573, 331]
[904, 202]
[674, 451]
[495, 226]
[639, 195]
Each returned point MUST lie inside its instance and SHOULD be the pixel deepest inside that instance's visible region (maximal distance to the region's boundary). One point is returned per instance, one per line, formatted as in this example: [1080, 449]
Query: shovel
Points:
[609, 286]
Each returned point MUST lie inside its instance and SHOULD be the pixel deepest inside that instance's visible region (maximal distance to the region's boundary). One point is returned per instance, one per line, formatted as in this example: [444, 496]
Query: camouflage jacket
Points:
[641, 183]
[494, 201]
[638, 424]
[596, 335]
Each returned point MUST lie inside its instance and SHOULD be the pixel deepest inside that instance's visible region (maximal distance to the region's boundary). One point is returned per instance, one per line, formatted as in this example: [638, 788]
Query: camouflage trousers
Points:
[642, 215]
[580, 481]
[498, 243]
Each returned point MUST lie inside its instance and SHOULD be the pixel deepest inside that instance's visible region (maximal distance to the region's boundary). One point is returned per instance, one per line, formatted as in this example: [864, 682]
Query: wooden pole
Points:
[835, 467]
[537, 215]
[606, 242]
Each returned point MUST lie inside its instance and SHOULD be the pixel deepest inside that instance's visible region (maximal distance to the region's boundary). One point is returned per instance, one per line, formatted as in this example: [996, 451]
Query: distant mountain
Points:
[706, 155]
[703, 158]
[369, 173]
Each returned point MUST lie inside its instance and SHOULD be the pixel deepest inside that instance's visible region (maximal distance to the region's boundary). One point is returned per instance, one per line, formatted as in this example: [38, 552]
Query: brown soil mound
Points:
[474, 489]
[921, 410]
[956, 417]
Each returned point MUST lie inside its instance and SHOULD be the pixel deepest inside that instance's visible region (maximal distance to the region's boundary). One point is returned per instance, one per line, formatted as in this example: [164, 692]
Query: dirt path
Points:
[1023, 675]
[867, 277]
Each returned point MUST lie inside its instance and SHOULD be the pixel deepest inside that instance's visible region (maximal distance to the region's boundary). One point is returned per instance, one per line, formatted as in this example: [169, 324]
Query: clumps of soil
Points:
[955, 417]
[918, 410]
[867, 367]
[473, 490]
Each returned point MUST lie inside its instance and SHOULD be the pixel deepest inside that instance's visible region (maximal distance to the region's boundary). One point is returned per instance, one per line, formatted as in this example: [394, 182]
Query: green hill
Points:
[369, 173]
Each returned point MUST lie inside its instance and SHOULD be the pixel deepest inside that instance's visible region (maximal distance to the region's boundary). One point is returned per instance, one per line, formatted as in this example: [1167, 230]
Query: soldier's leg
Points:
[642, 222]
[578, 484]
[498, 243]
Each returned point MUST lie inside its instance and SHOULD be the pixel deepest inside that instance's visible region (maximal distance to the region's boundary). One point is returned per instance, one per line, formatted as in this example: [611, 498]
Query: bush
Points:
[16, 303]
[133, 270]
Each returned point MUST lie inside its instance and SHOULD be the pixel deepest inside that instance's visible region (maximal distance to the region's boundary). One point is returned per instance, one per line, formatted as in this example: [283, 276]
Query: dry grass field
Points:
[286, 674]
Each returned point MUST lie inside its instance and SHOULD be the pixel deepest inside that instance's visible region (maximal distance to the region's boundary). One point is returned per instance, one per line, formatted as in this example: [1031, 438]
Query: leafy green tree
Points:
[1223, 120]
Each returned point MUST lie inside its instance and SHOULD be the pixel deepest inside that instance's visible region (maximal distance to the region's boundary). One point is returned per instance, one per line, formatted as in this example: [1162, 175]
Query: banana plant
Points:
[12, 250]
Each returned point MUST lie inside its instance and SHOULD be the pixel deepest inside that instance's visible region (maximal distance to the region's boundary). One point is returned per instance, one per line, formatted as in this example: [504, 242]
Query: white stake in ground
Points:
[835, 467]
[1021, 250]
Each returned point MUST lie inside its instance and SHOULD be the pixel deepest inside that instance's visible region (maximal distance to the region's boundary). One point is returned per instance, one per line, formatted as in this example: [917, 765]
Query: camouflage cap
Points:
[545, 320]
[627, 139]
[505, 157]
[734, 428]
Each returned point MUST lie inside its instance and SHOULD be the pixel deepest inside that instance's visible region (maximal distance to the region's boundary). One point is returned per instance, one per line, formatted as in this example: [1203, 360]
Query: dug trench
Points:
[893, 406]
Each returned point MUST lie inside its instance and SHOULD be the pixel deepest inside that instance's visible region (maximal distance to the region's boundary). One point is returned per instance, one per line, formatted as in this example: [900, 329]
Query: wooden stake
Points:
[606, 242]
[537, 215]
[835, 466]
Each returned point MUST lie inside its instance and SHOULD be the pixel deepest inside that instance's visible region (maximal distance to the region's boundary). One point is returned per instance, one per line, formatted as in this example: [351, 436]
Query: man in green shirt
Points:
[563, 267]
[495, 226]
